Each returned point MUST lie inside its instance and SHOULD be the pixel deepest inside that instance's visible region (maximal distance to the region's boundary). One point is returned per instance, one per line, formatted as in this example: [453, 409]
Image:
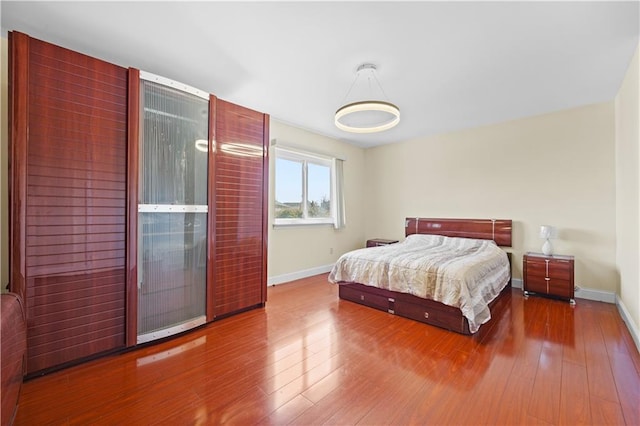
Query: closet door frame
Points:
[211, 198]
[265, 203]
[18, 137]
[133, 156]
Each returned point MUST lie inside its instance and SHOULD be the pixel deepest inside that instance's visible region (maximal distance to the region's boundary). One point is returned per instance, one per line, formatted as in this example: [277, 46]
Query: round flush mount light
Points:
[367, 116]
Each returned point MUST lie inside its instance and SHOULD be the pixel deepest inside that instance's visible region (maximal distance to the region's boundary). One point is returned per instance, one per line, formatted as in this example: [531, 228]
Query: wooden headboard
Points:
[498, 230]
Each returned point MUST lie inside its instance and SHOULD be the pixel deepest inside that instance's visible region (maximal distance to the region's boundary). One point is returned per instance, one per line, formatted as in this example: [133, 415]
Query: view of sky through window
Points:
[289, 181]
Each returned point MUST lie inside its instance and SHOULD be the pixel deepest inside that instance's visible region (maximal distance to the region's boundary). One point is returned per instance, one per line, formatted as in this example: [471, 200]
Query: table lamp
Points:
[547, 232]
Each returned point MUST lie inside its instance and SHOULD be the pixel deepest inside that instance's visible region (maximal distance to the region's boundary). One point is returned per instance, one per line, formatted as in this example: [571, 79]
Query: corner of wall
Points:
[626, 317]
[627, 188]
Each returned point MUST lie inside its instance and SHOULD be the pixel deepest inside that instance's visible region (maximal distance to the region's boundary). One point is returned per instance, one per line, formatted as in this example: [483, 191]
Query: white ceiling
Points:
[447, 65]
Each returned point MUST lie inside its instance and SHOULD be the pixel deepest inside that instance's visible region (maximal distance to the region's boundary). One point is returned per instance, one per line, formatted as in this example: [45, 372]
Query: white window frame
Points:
[306, 158]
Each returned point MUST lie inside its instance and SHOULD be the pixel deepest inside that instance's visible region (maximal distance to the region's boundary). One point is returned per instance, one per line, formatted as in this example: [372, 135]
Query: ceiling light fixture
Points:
[367, 116]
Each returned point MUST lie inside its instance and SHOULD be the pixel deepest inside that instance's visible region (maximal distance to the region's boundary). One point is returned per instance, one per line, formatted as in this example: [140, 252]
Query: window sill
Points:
[299, 224]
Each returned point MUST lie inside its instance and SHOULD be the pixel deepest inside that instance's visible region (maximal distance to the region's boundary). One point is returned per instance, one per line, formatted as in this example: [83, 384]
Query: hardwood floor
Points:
[310, 358]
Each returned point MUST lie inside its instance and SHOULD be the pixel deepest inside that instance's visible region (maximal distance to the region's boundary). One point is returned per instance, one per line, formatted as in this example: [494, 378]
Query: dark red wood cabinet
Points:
[239, 177]
[549, 275]
[73, 209]
[68, 196]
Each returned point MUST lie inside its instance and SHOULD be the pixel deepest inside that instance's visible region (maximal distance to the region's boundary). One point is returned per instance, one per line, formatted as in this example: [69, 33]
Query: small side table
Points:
[376, 242]
[550, 275]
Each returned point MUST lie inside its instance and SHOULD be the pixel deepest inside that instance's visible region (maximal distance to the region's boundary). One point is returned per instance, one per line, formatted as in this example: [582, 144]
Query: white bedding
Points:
[460, 272]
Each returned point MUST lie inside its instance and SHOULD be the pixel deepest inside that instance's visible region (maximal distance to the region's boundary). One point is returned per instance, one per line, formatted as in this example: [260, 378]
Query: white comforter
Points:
[460, 272]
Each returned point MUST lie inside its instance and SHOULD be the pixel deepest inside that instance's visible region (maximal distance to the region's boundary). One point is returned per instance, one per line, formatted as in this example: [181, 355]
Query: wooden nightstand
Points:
[549, 275]
[375, 242]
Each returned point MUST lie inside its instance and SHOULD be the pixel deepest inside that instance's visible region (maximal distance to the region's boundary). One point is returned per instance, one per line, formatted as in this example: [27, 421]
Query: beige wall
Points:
[4, 165]
[299, 248]
[556, 169]
[628, 191]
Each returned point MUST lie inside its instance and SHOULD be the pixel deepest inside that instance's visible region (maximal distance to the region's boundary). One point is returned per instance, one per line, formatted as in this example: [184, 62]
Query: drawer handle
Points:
[426, 315]
[362, 297]
[547, 279]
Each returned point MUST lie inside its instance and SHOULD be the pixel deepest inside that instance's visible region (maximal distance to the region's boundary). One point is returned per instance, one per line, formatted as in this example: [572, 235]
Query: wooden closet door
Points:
[68, 200]
[240, 181]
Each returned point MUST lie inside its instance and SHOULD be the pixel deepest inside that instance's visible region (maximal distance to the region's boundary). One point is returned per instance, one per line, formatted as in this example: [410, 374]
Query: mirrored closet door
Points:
[172, 207]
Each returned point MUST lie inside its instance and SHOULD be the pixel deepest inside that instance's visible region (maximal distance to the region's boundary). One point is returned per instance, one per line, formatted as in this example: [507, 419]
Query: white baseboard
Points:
[626, 317]
[597, 295]
[285, 278]
[581, 293]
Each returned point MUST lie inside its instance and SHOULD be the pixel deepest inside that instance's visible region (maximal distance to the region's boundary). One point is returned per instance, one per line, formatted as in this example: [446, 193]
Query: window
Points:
[306, 188]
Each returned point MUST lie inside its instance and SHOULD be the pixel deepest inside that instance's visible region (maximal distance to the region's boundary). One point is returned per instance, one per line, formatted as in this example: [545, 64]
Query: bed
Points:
[457, 292]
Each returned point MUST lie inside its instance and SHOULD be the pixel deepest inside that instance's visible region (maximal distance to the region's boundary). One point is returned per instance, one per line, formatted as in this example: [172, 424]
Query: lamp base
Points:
[546, 248]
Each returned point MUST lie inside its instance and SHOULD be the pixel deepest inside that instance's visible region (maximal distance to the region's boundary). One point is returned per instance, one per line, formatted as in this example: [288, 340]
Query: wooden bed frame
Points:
[425, 310]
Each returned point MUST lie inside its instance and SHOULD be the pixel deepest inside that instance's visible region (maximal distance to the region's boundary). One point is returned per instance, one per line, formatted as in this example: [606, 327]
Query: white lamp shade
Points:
[547, 231]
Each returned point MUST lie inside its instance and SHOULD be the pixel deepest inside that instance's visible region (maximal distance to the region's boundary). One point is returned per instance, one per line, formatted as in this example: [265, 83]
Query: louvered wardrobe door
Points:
[68, 200]
[240, 208]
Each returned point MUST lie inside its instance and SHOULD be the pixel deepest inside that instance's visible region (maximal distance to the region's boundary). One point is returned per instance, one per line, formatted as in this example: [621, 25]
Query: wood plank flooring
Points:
[310, 358]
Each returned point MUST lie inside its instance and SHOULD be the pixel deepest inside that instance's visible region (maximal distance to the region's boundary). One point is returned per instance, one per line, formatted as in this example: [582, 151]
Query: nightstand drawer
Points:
[536, 284]
[560, 269]
[561, 288]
